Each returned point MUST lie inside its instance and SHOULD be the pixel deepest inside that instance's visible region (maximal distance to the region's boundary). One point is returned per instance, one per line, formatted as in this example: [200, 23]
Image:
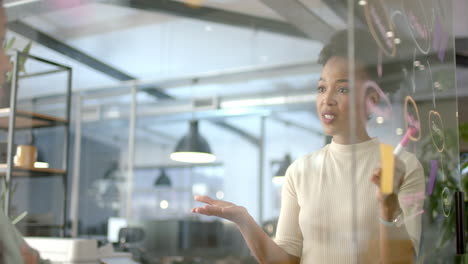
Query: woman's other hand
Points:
[389, 202]
[30, 256]
[223, 209]
[264, 249]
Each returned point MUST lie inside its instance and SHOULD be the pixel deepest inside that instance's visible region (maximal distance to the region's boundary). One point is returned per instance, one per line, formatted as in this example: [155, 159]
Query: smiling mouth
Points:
[328, 118]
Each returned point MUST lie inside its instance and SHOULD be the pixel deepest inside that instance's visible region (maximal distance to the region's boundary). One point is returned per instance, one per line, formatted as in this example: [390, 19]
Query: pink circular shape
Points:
[385, 112]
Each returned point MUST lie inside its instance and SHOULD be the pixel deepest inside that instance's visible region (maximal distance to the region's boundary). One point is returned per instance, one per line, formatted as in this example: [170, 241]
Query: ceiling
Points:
[186, 49]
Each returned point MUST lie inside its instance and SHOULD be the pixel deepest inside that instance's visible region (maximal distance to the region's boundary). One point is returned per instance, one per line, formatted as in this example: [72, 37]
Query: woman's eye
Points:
[343, 90]
[321, 89]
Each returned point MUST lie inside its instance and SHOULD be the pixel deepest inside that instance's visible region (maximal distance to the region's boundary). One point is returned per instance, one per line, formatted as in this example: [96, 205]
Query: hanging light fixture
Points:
[163, 179]
[278, 177]
[193, 148]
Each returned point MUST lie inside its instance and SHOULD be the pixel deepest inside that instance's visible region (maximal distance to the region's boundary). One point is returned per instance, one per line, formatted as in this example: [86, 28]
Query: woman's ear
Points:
[372, 99]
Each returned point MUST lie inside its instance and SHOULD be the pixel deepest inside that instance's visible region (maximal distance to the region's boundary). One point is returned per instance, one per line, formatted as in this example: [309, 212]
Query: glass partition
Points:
[377, 94]
[101, 141]
[405, 71]
[329, 125]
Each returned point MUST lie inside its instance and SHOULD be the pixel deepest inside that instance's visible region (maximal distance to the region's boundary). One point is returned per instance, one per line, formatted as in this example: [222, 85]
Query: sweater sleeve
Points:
[10, 241]
[411, 197]
[288, 233]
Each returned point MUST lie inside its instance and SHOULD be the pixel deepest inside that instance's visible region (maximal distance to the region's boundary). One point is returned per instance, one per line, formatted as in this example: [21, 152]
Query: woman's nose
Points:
[329, 98]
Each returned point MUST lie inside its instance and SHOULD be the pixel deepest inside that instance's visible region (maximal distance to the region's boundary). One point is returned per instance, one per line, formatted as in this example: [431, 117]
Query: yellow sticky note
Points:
[388, 165]
[194, 3]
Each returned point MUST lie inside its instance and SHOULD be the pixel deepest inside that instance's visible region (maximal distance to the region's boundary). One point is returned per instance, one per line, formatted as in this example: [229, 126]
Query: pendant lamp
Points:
[163, 179]
[193, 148]
[279, 175]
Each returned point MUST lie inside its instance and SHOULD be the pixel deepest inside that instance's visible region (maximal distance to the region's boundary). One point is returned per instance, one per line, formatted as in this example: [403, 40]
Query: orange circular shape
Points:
[380, 26]
[409, 99]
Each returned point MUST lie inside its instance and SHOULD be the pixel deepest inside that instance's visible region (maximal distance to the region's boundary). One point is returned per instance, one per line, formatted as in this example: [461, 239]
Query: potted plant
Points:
[439, 212]
[5, 89]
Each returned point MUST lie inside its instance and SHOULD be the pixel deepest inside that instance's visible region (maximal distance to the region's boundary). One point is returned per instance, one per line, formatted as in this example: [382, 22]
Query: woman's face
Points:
[5, 65]
[333, 100]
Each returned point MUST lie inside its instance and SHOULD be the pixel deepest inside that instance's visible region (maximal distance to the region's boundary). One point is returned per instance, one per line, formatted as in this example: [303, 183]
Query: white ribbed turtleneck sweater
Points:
[317, 208]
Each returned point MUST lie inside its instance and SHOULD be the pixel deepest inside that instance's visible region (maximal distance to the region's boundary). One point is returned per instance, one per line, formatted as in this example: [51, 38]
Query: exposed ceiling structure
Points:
[180, 50]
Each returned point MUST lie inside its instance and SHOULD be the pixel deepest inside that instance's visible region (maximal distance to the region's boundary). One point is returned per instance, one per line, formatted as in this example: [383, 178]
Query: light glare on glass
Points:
[193, 157]
[220, 195]
[278, 180]
[164, 204]
[379, 120]
[399, 131]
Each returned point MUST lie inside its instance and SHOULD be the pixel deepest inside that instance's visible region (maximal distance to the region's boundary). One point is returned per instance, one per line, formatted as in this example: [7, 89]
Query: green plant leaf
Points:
[19, 218]
[22, 59]
[464, 164]
[27, 48]
[463, 131]
[9, 44]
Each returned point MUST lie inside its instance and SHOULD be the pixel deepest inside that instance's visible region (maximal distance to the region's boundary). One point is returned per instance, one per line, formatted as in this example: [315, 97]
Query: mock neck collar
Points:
[349, 148]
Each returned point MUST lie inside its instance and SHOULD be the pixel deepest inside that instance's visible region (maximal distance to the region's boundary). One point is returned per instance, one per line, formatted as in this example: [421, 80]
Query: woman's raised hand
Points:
[221, 209]
[389, 200]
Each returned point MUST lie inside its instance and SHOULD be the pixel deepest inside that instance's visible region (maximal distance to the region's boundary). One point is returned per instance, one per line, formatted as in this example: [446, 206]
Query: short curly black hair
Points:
[366, 52]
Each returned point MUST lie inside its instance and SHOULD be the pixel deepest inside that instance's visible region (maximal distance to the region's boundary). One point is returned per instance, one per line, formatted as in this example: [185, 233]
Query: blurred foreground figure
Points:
[13, 248]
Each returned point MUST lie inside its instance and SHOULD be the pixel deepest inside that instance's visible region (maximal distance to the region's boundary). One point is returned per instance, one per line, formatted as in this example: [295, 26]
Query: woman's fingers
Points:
[213, 207]
[30, 256]
[209, 210]
[376, 176]
[225, 210]
[398, 173]
[210, 201]
[204, 199]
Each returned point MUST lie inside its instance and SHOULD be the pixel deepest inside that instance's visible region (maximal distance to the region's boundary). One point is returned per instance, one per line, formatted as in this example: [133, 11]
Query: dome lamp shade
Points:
[163, 179]
[193, 148]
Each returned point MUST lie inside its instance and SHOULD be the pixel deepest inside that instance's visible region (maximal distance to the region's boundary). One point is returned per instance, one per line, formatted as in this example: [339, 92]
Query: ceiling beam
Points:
[287, 122]
[247, 136]
[296, 13]
[211, 14]
[340, 7]
[67, 50]
[21, 9]
[54, 44]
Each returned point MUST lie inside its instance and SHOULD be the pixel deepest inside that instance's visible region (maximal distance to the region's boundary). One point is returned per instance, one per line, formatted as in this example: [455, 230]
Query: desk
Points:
[76, 250]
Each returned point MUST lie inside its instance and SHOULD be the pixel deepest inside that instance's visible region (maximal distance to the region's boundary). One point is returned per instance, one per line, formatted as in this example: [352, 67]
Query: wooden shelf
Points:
[27, 172]
[25, 119]
[36, 225]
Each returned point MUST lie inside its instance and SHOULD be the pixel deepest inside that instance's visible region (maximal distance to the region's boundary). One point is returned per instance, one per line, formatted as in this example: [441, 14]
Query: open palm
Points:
[220, 208]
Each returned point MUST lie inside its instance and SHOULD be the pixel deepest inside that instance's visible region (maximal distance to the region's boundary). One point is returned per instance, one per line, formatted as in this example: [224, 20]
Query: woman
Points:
[321, 219]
